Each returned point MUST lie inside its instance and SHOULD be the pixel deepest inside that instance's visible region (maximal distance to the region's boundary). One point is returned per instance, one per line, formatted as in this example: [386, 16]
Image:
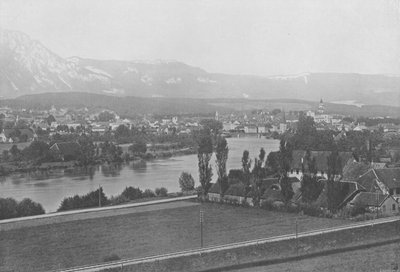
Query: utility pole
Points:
[201, 227]
[297, 240]
[377, 204]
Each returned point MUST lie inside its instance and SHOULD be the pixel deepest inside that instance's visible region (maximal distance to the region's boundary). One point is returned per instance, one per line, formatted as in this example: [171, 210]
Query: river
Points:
[50, 187]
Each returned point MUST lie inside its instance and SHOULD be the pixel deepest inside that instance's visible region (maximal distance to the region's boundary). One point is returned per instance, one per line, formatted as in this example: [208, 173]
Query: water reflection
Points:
[139, 166]
[111, 170]
[49, 187]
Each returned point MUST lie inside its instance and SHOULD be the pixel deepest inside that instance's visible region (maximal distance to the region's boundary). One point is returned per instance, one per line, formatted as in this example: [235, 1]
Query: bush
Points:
[161, 191]
[117, 200]
[86, 201]
[186, 182]
[148, 193]
[10, 208]
[132, 193]
[27, 208]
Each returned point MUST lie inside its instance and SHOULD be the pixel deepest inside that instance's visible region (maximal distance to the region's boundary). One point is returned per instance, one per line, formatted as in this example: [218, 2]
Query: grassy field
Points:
[380, 258]
[89, 241]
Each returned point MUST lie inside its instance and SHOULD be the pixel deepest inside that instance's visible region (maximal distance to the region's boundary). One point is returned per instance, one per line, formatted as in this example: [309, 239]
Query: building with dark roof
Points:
[385, 180]
[66, 151]
[385, 204]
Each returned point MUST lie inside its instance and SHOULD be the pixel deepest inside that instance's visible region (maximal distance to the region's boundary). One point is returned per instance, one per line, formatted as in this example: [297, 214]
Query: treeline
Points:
[363, 144]
[10, 208]
[98, 198]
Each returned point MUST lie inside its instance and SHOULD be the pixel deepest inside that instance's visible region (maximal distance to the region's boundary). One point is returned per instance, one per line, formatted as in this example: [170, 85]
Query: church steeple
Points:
[321, 107]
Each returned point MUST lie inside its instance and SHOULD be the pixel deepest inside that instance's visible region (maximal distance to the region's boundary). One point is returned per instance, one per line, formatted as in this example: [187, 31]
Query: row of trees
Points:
[10, 208]
[98, 198]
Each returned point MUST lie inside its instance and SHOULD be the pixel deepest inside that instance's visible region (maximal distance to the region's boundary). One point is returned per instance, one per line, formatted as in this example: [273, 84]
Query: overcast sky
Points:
[229, 36]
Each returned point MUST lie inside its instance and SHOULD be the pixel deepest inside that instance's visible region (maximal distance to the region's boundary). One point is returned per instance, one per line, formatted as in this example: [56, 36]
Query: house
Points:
[385, 181]
[66, 151]
[236, 194]
[250, 129]
[385, 204]
[214, 194]
[320, 158]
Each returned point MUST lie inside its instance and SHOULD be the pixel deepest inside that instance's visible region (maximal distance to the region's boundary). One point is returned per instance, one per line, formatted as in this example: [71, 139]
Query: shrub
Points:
[186, 182]
[132, 193]
[89, 200]
[117, 200]
[10, 208]
[27, 208]
[148, 193]
[161, 191]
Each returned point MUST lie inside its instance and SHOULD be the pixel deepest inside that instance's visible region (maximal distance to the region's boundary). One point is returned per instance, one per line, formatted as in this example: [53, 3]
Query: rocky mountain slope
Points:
[28, 67]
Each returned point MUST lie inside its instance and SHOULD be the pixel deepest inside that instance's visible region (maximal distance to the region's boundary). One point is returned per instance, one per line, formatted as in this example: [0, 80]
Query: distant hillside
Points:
[142, 105]
[28, 67]
[123, 105]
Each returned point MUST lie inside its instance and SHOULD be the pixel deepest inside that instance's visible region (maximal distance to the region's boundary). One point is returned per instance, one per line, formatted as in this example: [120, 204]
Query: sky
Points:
[269, 37]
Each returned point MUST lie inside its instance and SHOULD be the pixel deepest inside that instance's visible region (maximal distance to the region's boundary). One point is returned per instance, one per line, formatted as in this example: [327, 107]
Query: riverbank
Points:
[7, 168]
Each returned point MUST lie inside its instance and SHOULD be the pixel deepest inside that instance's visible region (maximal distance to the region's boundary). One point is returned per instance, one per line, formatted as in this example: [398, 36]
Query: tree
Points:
[8, 208]
[37, 151]
[272, 162]
[106, 116]
[122, 131]
[5, 155]
[87, 153]
[204, 153]
[258, 174]
[50, 119]
[27, 208]
[246, 165]
[161, 191]
[285, 157]
[286, 188]
[221, 154]
[15, 152]
[334, 164]
[310, 188]
[186, 182]
[138, 147]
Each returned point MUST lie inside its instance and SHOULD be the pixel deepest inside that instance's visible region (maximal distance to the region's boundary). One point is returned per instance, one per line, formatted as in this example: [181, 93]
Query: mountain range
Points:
[28, 67]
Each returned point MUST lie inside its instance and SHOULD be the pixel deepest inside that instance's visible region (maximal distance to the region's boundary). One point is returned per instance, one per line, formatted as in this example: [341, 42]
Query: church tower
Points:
[321, 107]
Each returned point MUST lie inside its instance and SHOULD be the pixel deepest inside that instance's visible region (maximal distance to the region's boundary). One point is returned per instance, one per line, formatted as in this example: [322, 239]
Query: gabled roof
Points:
[389, 176]
[215, 188]
[367, 180]
[237, 189]
[321, 158]
[67, 148]
[368, 199]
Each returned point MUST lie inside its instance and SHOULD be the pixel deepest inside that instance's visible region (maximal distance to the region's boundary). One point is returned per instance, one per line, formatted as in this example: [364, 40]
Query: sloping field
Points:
[380, 258]
[140, 234]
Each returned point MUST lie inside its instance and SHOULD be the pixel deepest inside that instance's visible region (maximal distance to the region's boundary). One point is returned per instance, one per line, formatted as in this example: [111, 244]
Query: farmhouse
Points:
[385, 180]
[385, 204]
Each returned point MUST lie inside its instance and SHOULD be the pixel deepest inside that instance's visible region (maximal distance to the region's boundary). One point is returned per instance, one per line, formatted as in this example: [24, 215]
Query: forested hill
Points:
[131, 105]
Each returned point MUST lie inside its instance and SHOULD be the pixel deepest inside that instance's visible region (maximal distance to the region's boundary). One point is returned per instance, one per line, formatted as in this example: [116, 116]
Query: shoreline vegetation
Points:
[7, 168]
[10, 208]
